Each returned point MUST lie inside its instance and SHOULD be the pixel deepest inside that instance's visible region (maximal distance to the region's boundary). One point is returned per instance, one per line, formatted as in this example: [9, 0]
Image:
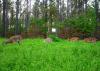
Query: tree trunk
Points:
[97, 29]
[17, 18]
[27, 19]
[0, 17]
[5, 18]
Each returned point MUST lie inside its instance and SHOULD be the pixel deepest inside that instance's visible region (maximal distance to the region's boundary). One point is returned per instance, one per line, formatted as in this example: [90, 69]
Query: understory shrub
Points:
[84, 23]
[54, 38]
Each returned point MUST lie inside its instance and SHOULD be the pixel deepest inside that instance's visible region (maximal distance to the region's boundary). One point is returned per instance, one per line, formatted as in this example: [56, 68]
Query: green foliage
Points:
[54, 38]
[59, 24]
[52, 11]
[39, 22]
[85, 22]
[36, 55]
[13, 22]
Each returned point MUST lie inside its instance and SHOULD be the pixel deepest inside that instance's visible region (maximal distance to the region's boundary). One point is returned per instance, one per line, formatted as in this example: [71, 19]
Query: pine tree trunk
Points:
[17, 19]
[5, 13]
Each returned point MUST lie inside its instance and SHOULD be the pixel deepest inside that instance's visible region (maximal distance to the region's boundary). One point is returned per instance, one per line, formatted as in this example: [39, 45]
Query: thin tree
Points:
[17, 18]
[97, 19]
[52, 15]
[58, 6]
[85, 3]
[96, 10]
[0, 10]
[0, 7]
[27, 17]
[5, 18]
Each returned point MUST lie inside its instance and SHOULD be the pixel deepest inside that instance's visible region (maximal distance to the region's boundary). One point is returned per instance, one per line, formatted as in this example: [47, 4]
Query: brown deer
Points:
[74, 39]
[48, 40]
[13, 39]
[90, 39]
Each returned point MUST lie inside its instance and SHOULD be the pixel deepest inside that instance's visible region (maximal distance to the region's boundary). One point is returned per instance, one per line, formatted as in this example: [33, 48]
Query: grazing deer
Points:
[48, 40]
[16, 38]
[90, 39]
[74, 39]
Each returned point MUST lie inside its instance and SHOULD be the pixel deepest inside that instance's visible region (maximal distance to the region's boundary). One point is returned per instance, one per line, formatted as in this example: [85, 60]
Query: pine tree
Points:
[17, 18]
[5, 18]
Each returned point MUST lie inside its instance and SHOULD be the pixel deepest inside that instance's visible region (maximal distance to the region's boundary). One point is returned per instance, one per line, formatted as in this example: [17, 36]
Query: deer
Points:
[90, 39]
[48, 40]
[13, 39]
[74, 39]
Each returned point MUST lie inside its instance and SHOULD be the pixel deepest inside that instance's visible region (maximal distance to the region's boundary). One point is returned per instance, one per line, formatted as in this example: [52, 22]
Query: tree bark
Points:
[17, 19]
[5, 18]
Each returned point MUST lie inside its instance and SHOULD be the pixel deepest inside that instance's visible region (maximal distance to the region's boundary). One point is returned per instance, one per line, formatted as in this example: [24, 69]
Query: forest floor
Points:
[37, 55]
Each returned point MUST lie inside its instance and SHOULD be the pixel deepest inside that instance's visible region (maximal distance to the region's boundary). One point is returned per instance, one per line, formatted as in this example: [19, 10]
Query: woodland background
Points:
[68, 18]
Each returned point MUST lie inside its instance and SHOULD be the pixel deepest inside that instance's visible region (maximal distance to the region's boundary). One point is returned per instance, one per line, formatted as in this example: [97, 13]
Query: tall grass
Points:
[37, 55]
